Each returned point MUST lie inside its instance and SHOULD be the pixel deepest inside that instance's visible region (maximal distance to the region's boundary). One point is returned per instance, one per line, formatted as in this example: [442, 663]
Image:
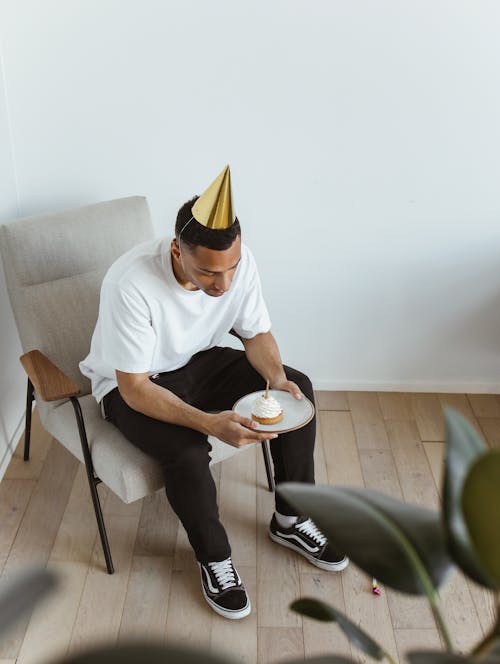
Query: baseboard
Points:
[404, 386]
[11, 446]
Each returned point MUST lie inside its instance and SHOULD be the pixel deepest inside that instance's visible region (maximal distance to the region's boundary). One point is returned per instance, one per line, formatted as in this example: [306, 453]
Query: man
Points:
[159, 373]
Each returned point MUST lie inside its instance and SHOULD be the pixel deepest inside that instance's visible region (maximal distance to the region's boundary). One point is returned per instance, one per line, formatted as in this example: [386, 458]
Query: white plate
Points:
[298, 412]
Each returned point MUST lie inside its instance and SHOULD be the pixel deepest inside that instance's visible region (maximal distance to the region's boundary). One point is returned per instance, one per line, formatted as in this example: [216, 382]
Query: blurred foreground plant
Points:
[412, 549]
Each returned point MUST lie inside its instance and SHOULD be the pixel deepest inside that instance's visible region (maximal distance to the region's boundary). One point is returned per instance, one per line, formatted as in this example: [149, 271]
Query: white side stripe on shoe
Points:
[301, 542]
[209, 582]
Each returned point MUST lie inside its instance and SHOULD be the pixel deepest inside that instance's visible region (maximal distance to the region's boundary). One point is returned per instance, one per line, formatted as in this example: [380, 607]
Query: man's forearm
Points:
[263, 354]
[164, 405]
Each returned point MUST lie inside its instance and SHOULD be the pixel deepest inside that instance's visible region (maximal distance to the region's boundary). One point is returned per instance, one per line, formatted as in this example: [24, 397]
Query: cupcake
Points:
[267, 410]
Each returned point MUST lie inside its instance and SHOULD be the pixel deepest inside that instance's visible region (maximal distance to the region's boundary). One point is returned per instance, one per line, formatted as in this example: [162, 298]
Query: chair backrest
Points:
[54, 266]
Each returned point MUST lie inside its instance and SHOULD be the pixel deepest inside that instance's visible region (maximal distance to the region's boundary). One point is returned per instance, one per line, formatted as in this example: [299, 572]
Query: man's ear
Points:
[174, 248]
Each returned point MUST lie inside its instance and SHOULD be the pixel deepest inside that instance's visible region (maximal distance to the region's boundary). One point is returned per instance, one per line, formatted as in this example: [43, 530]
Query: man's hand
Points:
[264, 356]
[236, 430]
[287, 386]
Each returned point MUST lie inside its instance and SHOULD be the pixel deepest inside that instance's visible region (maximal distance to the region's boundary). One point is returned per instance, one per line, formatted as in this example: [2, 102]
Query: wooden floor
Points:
[385, 441]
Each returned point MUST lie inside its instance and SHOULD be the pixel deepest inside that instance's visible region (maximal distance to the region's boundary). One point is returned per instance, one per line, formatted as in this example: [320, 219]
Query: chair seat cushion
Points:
[126, 470]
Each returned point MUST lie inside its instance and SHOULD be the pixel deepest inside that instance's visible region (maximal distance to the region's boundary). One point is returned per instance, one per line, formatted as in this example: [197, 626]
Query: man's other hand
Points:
[287, 386]
[236, 430]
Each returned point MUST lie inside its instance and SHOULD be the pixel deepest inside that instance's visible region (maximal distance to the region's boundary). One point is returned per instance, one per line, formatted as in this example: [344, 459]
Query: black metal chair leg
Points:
[268, 463]
[93, 481]
[27, 429]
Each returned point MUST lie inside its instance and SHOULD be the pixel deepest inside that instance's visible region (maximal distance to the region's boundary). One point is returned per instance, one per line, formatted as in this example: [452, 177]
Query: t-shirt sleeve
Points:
[128, 339]
[253, 316]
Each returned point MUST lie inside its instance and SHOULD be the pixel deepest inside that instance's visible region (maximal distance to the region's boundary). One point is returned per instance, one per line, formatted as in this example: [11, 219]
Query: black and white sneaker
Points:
[223, 589]
[306, 538]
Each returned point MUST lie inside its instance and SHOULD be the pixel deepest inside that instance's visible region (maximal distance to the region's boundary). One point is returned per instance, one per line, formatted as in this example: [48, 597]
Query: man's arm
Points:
[263, 354]
[141, 394]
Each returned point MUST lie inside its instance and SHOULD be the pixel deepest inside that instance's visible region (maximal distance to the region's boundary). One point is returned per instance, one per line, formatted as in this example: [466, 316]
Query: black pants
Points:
[211, 381]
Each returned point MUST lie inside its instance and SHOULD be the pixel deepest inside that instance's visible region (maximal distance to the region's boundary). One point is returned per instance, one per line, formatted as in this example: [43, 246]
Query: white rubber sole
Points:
[329, 567]
[227, 613]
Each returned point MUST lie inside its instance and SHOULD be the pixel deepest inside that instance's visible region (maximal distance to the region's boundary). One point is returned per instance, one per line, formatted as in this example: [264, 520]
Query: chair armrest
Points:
[50, 382]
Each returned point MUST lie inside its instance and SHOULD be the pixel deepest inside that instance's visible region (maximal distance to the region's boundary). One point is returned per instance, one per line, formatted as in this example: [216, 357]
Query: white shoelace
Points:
[309, 528]
[224, 573]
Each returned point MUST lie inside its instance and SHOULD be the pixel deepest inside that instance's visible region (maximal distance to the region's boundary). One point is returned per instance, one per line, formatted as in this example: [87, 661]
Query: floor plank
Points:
[395, 406]
[490, 426]
[146, 601]
[340, 449]
[78, 528]
[189, 622]
[428, 412]
[327, 400]
[368, 610]
[460, 613]
[50, 628]
[412, 639]
[43, 515]
[458, 402]
[368, 420]
[485, 405]
[484, 601]
[103, 597]
[379, 471]
[278, 644]
[324, 638]
[14, 498]
[435, 453]
[412, 465]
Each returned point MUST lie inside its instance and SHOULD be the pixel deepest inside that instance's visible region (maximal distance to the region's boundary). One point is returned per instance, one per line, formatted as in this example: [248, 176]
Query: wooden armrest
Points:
[50, 382]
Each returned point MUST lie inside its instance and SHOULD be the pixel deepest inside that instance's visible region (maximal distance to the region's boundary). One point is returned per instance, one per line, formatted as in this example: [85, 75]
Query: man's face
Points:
[210, 270]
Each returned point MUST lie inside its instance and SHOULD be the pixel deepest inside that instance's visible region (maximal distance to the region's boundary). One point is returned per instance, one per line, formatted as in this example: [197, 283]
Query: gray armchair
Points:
[54, 265]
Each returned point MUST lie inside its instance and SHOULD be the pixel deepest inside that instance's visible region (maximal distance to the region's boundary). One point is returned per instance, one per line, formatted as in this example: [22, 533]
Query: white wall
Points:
[364, 143]
[12, 377]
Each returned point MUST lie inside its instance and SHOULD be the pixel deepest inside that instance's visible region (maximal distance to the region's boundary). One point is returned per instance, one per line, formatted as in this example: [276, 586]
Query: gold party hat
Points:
[214, 208]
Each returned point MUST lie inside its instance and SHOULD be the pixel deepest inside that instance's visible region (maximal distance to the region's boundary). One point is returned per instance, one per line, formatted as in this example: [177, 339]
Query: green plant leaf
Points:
[464, 447]
[481, 509]
[144, 652]
[436, 657]
[490, 645]
[318, 610]
[493, 646]
[401, 545]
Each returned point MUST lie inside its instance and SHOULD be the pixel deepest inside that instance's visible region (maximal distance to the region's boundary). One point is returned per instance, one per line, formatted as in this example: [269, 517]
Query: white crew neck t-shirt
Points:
[149, 323]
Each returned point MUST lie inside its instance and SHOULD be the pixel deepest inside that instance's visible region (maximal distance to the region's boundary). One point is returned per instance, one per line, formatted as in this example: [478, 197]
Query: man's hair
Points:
[197, 235]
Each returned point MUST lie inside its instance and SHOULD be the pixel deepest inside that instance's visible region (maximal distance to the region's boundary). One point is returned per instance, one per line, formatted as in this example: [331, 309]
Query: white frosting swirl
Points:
[269, 407]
